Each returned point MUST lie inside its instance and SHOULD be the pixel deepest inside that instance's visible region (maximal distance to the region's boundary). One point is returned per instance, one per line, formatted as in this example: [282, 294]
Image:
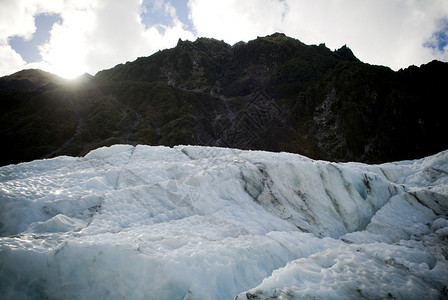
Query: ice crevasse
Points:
[194, 222]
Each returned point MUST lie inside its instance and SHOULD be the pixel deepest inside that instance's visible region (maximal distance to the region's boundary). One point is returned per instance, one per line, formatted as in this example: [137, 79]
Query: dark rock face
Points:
[273, 93]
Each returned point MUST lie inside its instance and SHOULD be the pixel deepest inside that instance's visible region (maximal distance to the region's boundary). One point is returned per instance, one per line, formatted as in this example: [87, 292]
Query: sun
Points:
[67, 62]
[65, 55]
[68, 70]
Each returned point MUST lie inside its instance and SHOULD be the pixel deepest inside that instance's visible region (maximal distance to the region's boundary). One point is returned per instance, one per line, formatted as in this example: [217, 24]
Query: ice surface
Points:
[192, 222]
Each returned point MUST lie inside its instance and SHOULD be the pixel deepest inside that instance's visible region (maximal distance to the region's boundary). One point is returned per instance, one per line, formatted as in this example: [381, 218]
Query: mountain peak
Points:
[28, 80]
[273, 93]
[346, 53]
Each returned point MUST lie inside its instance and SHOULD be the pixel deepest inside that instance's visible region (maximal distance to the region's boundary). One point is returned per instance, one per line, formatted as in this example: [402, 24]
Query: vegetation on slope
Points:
[273, 93]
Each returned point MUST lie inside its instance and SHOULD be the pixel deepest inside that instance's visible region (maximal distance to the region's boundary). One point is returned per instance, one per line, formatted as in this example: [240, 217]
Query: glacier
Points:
[191, 222]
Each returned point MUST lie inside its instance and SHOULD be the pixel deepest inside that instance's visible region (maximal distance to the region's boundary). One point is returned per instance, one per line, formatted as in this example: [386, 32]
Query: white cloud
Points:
[107, 33]
[381, 32]
[388, 32]
[65, 52]
[16, 19]
[97, 34]
[10, 61]
[93, 34]
[235, 21]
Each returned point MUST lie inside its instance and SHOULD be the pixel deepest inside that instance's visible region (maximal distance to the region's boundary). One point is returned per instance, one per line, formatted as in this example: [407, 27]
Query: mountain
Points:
[192, 222]
[273, 93]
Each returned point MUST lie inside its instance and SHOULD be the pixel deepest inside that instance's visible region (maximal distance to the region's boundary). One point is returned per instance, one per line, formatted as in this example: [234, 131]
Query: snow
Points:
[194, 222]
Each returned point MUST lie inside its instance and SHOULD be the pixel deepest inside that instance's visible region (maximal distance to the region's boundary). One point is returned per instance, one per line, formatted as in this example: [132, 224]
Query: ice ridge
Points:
[194, 222]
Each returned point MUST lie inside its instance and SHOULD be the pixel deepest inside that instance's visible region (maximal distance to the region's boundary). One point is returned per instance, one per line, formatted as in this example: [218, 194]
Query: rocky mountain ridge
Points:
[273, 93]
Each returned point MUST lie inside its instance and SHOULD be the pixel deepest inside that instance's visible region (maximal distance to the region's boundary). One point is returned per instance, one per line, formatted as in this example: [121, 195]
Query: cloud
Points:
[17, 16]
[17, 19]
[10, 61]
[235, 21]
[392, 33]
[438, 42]
[97, 34]
[93, 34]
[107, 33]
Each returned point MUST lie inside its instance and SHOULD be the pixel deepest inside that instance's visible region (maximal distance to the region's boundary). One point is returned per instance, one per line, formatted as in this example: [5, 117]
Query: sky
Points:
[71, 37]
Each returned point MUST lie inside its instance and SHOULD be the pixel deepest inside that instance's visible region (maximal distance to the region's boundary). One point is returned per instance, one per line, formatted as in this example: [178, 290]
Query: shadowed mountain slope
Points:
[273, 93]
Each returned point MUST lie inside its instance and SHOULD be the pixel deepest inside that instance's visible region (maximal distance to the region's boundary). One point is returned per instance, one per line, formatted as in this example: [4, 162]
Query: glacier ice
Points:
[194, 222]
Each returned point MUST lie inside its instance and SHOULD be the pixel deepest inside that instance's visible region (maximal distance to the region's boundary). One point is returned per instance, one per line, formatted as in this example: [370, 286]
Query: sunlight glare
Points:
[65, 53]
[67, 60]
